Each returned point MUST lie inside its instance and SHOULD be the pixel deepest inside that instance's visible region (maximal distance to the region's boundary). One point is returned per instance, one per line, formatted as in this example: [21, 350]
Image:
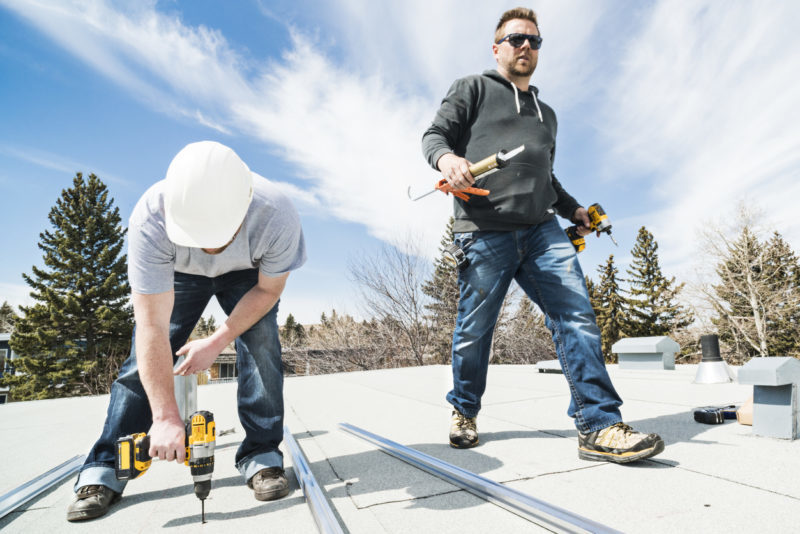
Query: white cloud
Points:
[701, 102]
[299, 196]
[353, 127]
[705, 105]
[58, 163]
[426, 45]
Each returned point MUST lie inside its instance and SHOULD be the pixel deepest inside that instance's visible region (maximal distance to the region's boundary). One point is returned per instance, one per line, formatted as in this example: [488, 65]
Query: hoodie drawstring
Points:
[538, 110]
[535, 101]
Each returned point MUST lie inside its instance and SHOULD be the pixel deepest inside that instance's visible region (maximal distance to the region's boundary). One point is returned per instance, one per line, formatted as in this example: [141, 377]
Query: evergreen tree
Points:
[782, 325]
[199, 330]
[7, 317]
[442, 288]
[651, 305]
[292, 334]
[611, 317]
[736, 299]
[73, 339]
[594, 298]
[211, 325]
[204, 328]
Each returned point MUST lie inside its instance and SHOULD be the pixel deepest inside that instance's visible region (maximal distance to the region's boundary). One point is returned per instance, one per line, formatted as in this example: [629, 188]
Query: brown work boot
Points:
[269, 484]
[618, 443]
[91, 501]
[463, 431]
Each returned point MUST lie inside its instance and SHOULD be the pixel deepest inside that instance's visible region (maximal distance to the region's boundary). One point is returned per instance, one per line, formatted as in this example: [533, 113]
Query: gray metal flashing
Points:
[323, 515]
[24, 493]
[539, 512]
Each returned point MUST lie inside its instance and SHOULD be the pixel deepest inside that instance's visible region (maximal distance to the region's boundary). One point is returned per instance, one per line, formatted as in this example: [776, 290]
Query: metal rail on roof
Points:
[546, 515]
[24, 493]
[323, 515]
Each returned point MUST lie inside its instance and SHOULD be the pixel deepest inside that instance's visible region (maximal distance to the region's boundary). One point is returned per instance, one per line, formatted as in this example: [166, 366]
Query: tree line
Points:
[74, 337]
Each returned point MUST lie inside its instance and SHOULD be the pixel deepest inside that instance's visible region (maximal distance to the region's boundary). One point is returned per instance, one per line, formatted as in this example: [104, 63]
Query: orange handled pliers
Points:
[463, 194]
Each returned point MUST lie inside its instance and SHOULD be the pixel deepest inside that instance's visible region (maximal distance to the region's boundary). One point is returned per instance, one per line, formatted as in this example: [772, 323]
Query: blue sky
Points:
[670, 114]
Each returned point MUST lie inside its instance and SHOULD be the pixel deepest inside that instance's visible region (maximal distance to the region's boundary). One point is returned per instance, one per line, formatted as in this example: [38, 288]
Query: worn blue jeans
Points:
[543, 262]
[260, 389]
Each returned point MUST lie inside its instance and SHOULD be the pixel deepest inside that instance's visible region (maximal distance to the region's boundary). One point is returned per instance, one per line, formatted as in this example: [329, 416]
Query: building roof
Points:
[710, 478]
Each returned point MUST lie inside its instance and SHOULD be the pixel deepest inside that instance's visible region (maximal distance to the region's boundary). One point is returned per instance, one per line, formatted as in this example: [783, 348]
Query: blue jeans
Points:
[260, 391]
[543, 262]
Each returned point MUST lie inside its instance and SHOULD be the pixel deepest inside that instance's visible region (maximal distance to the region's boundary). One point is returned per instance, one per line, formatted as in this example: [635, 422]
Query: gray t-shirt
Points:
[271, 239]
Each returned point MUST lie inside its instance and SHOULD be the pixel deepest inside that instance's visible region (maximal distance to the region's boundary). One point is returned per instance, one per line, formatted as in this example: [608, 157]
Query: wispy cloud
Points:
[698, 96]
[351, 126]
[706, 105]
[58, 163]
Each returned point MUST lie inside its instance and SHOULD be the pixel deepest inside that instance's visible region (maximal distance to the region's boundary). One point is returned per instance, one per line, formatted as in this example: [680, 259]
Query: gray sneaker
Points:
[618, 443]
[269, 484]
[91, 502]
[463, 431]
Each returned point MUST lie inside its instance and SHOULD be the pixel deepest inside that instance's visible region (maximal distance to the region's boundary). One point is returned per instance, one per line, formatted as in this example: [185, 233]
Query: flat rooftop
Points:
[710, 478]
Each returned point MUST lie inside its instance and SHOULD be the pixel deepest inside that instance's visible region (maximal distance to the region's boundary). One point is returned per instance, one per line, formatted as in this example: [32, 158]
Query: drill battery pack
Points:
[133, 457]
[714, 415]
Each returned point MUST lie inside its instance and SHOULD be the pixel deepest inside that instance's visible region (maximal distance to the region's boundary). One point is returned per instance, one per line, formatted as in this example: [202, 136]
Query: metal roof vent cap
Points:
[712, 368]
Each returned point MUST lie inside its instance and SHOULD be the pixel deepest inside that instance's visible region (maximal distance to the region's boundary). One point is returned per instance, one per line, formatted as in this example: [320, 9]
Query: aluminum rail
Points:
[543, 514]
[323, 515]
[24, 493]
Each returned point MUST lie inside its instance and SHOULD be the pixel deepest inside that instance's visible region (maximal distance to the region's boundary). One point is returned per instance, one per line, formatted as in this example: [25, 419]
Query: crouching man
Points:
[210, 228]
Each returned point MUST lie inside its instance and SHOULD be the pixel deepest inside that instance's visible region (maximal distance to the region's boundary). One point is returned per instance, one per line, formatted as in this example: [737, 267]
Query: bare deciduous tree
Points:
[752, 292]
[390, 281]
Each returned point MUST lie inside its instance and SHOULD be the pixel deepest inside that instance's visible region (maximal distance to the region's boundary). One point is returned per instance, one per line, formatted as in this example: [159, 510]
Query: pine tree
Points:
[7, 317]
[211, 325]
[736, 299]
[651, 305]
[782, 325]
[292, 334]
[73, 339]
[594, 298]
[442, 288]
[199, 330]
[204, 328]
[611, 317]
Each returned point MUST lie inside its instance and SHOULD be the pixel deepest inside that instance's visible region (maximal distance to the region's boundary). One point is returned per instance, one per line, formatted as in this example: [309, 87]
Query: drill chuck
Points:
[599, 221]
[203, 488]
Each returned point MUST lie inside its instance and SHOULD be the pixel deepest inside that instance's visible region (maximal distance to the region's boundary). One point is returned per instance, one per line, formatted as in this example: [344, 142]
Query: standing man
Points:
[210, 228]
[513, 235]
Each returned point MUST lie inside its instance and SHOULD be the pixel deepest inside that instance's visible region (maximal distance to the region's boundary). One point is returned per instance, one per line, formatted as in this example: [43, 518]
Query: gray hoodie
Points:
[480, 116]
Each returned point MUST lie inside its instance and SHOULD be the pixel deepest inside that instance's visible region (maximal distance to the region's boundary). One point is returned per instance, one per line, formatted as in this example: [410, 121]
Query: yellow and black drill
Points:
[133, 456]
[598, 222]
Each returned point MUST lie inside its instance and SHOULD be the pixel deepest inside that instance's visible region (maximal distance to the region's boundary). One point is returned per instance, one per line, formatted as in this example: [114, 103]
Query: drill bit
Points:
[203, 510]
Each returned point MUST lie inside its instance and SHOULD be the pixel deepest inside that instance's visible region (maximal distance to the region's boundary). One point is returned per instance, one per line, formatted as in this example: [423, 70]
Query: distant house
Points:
[224, 367]
[6, 355]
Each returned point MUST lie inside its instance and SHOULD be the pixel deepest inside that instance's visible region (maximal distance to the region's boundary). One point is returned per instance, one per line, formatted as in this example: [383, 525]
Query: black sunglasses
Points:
[518, 39]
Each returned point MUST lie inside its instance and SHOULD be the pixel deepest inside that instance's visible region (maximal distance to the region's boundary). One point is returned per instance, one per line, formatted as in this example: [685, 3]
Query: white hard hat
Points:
[207, 195]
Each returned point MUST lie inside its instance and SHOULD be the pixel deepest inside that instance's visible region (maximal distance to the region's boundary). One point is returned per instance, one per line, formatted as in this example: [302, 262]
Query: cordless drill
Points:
[133, 454]
[598, 222]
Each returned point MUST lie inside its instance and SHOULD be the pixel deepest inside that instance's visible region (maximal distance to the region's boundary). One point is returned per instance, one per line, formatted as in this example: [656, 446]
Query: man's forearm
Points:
[254, 305]
[154, 359]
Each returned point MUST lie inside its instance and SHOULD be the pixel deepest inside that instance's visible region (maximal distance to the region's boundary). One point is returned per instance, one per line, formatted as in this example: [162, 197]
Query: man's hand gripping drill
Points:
[133, 454]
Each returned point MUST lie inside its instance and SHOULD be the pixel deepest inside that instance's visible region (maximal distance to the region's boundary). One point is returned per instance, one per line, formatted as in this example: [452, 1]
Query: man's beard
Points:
[517, 71]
